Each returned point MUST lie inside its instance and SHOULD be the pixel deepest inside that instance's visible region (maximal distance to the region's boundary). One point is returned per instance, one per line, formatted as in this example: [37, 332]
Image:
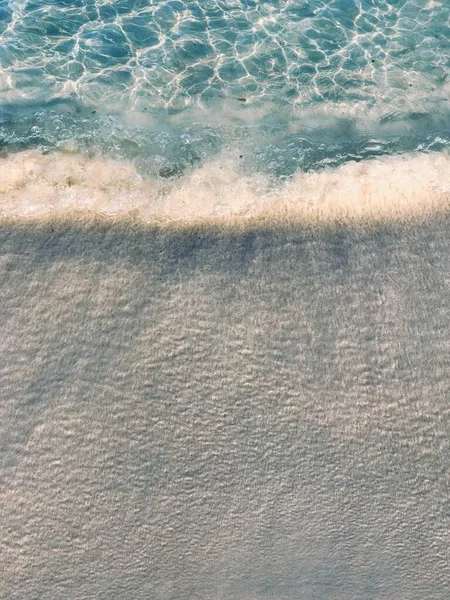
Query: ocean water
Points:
[225, 94]
[224, 301]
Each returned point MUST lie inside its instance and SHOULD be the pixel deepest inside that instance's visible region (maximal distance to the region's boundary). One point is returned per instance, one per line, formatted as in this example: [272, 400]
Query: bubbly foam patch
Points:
[45, 187]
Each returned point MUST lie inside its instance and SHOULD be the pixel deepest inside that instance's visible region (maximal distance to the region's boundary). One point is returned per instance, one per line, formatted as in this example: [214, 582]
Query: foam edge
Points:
[69, 187]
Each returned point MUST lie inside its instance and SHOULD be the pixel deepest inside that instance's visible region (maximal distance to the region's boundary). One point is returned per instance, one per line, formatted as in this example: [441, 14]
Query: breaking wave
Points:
[71, 186]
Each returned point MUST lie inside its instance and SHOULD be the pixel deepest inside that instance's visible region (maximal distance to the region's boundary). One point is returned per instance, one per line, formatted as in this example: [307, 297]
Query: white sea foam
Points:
[38, 187]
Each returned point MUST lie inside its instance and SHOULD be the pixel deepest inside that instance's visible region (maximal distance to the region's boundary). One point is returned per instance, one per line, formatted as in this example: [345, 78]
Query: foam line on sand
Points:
[70, 186]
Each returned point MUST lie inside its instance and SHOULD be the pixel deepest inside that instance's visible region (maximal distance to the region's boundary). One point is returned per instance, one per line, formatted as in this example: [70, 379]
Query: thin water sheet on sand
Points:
[208, 414]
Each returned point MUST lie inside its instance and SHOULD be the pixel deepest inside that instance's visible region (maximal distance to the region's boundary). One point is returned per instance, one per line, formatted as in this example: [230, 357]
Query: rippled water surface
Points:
[292, 84]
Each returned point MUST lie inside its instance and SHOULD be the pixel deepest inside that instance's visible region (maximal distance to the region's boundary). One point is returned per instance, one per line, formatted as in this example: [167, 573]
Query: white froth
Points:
[34, 186]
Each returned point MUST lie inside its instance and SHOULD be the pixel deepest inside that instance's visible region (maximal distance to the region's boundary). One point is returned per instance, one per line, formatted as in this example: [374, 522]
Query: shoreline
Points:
[73, 188]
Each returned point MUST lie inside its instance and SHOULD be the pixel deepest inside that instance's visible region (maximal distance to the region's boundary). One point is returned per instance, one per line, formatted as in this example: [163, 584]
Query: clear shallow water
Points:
[170, 84]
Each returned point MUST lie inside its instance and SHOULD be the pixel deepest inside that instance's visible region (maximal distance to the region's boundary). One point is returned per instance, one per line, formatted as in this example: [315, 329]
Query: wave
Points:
[38, 187]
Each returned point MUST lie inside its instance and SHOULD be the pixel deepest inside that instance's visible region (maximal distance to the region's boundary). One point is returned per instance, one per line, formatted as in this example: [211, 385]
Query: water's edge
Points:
[36, 186]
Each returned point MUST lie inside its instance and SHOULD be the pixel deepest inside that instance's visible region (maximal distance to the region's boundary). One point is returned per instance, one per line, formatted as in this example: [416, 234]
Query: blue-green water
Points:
[299, 84]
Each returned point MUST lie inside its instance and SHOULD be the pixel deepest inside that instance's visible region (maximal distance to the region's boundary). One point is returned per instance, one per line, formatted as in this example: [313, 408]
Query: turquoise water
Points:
[287, 85]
